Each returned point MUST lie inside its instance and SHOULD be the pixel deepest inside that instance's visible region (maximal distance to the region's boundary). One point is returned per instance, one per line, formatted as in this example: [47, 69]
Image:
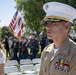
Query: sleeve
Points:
[41, 67]
[2, 57]
[73, 65]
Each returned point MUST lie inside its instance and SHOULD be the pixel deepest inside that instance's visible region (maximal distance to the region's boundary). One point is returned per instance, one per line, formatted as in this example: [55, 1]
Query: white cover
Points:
[60, 9]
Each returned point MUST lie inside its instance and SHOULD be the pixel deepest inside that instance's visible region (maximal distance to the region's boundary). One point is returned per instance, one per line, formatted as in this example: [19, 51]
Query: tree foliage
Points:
[33, 12]
[6, 33]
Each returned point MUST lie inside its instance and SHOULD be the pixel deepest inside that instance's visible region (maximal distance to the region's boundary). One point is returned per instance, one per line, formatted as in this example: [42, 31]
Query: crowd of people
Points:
[22, 48]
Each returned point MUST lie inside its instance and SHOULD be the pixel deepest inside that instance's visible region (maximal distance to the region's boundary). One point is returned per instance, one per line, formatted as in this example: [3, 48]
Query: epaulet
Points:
[47, 48]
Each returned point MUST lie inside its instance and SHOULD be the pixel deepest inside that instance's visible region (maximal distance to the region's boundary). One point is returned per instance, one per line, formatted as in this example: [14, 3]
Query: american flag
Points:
[13, 22]
[20, 25]
[17, 24]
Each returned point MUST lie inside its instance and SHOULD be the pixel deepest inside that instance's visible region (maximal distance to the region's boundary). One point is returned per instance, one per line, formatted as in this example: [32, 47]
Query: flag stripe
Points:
[16, 25]
[11, 29]
[19, 34]
[11, 25]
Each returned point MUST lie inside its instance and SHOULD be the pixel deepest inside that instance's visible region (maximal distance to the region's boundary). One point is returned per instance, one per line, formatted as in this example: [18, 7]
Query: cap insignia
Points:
[46, 6]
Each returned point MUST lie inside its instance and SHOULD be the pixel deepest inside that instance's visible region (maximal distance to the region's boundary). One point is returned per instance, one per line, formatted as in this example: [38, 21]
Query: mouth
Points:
[49, 32]
[49, 36]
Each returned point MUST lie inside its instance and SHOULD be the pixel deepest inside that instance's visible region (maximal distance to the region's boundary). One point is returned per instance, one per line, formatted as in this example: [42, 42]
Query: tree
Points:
[6, 33]
[0, 33]
[33, 12]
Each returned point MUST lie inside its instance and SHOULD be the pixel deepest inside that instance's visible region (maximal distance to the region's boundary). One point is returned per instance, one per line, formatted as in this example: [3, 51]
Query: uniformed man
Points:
[33, 44]
[58, 58]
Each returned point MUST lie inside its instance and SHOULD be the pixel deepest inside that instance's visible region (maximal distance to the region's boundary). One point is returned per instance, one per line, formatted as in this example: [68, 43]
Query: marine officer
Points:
[58, 58]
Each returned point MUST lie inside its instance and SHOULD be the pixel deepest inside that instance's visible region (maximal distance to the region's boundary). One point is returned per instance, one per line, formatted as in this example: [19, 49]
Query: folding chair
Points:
[11, 70]
[28, 74]
[37, 66]
[11, 63]
[25, 61]
[36, 61]
[27, 69]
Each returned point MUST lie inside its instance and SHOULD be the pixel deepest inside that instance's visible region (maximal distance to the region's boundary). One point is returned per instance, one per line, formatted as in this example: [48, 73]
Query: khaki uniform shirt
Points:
[62, 63]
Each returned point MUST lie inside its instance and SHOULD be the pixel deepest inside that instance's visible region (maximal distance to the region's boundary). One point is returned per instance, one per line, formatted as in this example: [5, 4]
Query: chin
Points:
[49, 37]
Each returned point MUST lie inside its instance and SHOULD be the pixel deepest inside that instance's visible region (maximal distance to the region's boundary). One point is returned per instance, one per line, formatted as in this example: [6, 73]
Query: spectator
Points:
[24, 50]
[42, 43]
[2, 60]
[6, 45]
[15, 48]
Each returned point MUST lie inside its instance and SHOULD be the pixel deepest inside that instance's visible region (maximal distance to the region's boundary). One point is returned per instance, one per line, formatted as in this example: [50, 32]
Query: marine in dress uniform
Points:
[58, 58]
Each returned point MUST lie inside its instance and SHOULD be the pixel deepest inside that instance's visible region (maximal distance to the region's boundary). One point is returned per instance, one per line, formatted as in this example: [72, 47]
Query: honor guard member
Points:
[2, 60]
[58, 58]
[33, 44]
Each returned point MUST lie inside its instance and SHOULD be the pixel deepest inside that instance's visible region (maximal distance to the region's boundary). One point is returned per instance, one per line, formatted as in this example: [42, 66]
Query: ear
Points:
[67, 25]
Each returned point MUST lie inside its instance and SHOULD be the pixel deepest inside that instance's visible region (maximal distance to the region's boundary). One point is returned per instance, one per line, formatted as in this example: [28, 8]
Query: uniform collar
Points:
[64, 49]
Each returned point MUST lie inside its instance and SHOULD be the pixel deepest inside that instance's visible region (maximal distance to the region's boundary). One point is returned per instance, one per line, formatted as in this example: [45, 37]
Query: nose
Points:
[48, 26]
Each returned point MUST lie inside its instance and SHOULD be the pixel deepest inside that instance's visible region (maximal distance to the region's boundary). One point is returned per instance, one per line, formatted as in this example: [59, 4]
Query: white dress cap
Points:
[59, 11]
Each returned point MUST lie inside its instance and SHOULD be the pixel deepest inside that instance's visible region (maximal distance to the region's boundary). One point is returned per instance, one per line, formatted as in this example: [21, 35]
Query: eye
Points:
[47, 23]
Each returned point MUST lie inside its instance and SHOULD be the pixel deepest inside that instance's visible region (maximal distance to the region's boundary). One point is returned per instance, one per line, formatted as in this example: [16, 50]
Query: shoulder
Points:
[48, 49]
[36, 40]
[72, 50]
[73, 46]
[72, 42]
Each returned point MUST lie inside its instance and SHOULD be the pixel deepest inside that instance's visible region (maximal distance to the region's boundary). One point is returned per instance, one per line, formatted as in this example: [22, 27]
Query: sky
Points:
[7, 10]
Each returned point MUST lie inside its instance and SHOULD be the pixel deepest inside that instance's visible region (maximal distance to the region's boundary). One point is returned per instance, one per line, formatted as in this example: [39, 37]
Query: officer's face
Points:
[32, 36]
[55, 29]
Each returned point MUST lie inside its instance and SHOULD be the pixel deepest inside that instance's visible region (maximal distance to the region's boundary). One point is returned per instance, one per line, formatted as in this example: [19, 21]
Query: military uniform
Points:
[2, 57]
[34, 48]
[62, 63]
